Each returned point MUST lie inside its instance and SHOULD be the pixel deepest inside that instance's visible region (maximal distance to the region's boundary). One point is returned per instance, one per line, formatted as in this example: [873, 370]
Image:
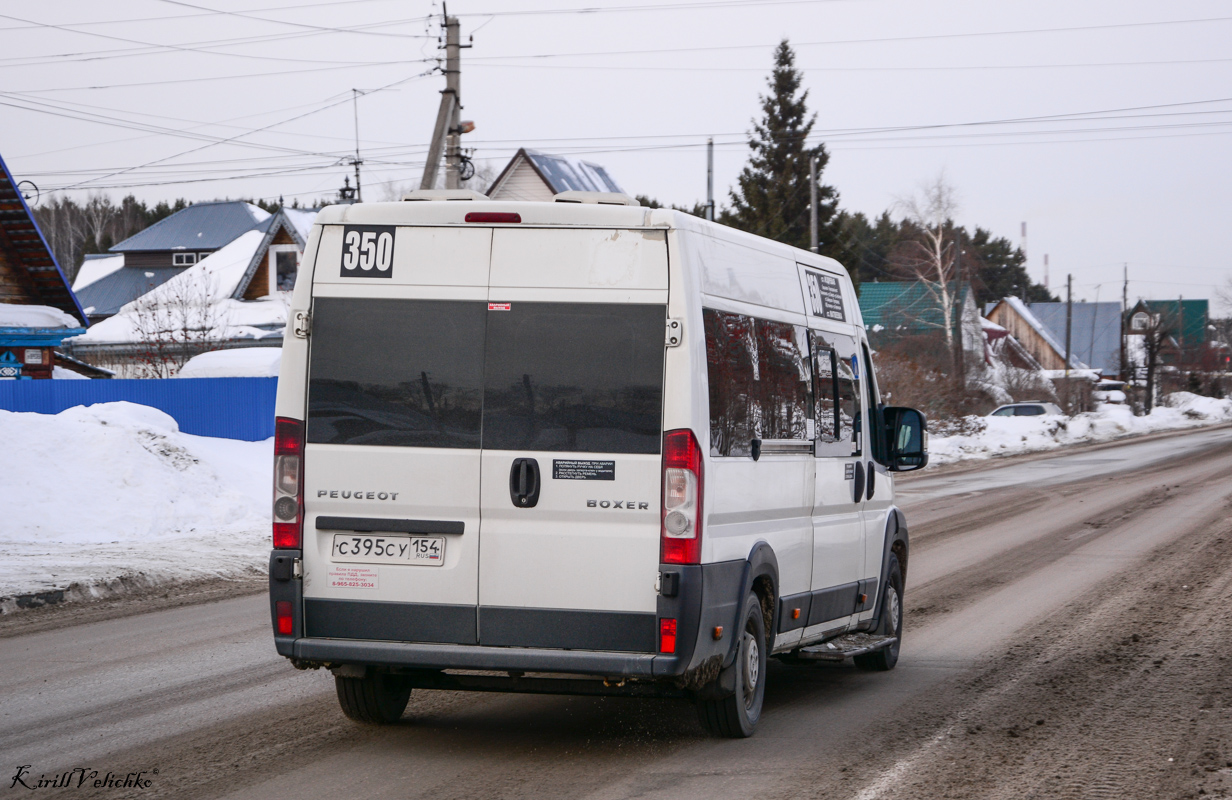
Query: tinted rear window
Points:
[396, 372]
[581, 377]
[585, 377]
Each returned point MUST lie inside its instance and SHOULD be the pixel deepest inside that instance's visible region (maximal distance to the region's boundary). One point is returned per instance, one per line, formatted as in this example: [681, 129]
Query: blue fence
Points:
[233, 408]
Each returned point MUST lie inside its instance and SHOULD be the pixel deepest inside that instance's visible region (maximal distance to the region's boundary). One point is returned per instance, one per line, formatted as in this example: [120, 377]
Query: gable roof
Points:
[28, 254]
[201, 226]
[558, 174]
[905, 307]
[108, 294]
[269, 228]
[1019, 309]
[1095, 331]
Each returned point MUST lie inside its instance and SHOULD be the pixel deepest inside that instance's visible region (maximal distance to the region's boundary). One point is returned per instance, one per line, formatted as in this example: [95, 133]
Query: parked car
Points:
[579, 447]
[1109, 392]
[1027, 410]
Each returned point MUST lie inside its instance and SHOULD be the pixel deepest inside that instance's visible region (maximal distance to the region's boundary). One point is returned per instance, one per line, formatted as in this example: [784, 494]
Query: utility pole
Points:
[960, 366]
[1045, 270]
[1124, 311]
[1069, 320]
[710, 179]
[359, 192]
[448, 129]
[814, 244]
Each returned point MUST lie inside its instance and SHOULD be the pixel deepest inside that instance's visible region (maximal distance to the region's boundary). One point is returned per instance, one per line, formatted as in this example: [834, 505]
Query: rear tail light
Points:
[282, 612]
[288, 483]
[681, 537]
[667, 635]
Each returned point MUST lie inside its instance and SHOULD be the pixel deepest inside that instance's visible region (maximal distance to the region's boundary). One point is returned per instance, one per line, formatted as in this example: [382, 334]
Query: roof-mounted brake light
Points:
[493, 216]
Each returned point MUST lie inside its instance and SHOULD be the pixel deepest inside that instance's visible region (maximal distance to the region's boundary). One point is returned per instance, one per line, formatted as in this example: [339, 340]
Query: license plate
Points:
[368, 549]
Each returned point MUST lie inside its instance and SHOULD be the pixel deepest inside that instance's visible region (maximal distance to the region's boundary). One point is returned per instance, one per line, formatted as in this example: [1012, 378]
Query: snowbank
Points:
[247, 362]
[99, 494]
[994, 436]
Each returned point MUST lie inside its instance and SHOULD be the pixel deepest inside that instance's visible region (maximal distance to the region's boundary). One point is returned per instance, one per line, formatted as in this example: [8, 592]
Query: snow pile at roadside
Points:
[102, 498]
[985, 437]
[245, 362]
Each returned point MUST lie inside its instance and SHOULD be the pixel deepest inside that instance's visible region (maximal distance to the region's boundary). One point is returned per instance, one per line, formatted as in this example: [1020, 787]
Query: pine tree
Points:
[773, 195]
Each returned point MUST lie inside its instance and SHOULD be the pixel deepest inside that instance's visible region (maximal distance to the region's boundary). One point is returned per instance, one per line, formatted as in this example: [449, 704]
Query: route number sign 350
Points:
[368, 251]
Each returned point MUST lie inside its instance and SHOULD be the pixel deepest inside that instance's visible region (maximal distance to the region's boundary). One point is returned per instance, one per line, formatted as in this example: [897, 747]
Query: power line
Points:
[911, 68]
[201, 46]
[880, 39]
[175, 17]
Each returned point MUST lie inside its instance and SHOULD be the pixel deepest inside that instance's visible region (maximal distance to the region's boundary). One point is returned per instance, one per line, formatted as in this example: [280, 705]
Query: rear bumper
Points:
[478, 657]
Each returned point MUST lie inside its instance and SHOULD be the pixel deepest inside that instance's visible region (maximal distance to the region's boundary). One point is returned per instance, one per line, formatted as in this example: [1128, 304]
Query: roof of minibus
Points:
[585, 215]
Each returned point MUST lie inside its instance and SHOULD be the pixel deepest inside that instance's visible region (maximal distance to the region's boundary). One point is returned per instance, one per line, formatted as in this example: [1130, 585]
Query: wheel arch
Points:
[898, 543]
[761, 577]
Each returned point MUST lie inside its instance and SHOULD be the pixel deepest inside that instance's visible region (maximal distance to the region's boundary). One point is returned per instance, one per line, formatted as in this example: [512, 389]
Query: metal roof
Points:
[201, 226]
[564, 175]
[23, 241]
[1191, 315]
[1095, 332]
[109, 293]
[904, 307]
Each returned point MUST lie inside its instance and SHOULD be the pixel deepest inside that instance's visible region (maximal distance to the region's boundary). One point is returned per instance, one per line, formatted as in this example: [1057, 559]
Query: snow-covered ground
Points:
[985, 437]
[102, 498]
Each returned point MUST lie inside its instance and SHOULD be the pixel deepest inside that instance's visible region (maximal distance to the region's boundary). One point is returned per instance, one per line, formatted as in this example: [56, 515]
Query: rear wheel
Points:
[891, 623]
[378, 699]
[735, 716]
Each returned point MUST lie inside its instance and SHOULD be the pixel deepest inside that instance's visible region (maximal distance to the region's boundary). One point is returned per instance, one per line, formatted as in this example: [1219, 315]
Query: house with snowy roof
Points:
[234, 296]
[38, 309]
[1039, 339]
[534, 176]
[169, 247]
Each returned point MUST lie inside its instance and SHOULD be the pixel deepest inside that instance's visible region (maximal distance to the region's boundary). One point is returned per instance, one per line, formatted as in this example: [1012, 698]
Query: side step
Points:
[852, 644]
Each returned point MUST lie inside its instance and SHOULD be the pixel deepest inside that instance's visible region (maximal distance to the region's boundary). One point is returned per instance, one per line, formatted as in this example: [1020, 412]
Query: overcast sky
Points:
[1118, 153]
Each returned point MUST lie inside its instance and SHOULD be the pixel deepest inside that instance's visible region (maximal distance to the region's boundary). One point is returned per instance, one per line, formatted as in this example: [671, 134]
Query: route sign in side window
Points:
[759, 379]
[396, 372]
[576, 377]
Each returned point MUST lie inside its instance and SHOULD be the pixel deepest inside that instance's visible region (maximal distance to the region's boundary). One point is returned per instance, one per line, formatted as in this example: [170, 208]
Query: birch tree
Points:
[931, 256]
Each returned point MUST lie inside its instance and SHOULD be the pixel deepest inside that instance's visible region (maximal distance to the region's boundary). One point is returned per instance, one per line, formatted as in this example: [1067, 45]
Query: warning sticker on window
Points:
[345, 577]
[825, 296]
[570, 470]
[500, 306]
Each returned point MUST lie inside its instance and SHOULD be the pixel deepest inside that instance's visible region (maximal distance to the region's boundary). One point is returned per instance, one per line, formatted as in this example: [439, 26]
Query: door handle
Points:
[524, 482]
[858, 494]
[872, 480]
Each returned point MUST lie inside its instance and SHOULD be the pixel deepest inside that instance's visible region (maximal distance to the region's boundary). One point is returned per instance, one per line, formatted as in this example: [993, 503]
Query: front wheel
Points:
[735, 716]
[377, 699]
[891, 623]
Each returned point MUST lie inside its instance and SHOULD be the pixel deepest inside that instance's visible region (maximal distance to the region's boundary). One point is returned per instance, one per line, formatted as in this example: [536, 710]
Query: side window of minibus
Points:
[759, 381]
[849, 401]
[836, 394]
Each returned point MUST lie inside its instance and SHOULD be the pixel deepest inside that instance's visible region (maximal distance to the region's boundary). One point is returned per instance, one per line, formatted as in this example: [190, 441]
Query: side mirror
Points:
[906, 438]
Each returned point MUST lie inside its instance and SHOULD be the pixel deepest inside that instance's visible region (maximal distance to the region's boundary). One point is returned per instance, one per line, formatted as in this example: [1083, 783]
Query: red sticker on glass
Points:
[499, 306]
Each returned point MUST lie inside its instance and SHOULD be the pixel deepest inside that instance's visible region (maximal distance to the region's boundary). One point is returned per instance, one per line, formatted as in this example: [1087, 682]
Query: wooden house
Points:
[38, 309]
[1035, 337]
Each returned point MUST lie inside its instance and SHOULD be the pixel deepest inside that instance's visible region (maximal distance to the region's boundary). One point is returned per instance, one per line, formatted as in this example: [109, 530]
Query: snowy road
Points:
[1049, 602]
